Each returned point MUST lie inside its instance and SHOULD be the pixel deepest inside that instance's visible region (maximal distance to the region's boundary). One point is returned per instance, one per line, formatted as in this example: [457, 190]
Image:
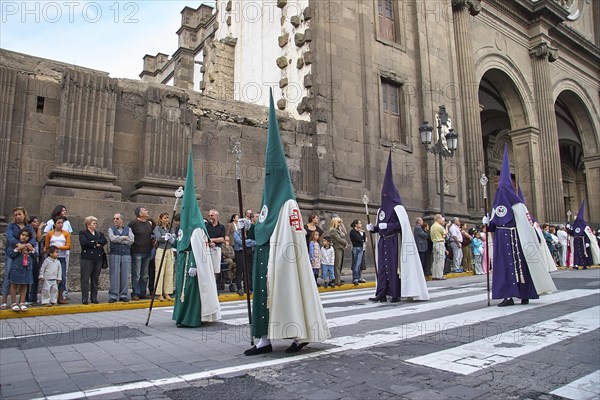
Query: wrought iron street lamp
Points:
[444, 147]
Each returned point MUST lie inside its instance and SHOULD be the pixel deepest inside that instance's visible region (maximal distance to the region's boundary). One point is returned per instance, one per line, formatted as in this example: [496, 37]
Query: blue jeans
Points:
[63, 271]
[6, 282]
[327, 271]
[357, 253]
[139, 273]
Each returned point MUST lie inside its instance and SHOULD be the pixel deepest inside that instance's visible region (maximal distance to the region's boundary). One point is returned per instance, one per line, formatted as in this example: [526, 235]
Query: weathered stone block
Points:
[299, 39]
[282, 62]
[309, 57]
[228, 21]
[295, 21]
[283, 39]
[300, 63]
[308, 81]
[306, 105]
[281, 3]
[307, 13]
[228, 6]
[281, 103]
[283, 82]
[308, 35]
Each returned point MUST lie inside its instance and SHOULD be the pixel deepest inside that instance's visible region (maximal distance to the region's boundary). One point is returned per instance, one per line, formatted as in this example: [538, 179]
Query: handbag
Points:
[104, 261]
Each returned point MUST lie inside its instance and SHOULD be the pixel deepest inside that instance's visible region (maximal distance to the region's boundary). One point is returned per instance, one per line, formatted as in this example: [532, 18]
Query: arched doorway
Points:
[504, 122]
[571, 154]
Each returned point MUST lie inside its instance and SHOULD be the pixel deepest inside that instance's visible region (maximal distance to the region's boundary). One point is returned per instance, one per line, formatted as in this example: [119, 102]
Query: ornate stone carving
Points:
[543, 50]
[474, 6]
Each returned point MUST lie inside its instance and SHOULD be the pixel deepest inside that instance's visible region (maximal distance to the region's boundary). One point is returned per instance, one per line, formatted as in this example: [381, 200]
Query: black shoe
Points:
[240, 292]
[355, 283]
[294, 348]
[362, 281]
[95, 301]
[575, 267]
[112, 300]
[332, 284]
[395, 300]
[342, 281]
[524, 301]
[507, 302]
[382, 299]
[258, 350]
[85, 303]
[233, 288]
[584, 268]
[124, 299]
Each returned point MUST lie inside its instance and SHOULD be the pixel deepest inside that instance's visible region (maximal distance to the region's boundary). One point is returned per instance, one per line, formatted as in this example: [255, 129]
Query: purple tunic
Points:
[388, 280]
[582, 255]
[510, 273]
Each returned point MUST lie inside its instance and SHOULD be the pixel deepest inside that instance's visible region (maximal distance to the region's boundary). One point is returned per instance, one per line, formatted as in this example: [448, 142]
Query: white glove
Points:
[370, 227]
[587, 245]
[383, 225]
[485, 220]
[168, 237]
[192, 272]
[244, 223]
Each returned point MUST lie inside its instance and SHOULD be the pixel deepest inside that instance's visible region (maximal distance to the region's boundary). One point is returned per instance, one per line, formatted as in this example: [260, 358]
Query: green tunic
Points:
[187, 312]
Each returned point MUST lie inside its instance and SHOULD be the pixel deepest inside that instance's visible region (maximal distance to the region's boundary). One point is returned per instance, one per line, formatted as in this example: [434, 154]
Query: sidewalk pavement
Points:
[75, 306]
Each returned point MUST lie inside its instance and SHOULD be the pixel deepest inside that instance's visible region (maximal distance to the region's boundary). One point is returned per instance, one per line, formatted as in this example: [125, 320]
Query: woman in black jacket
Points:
[92, 255]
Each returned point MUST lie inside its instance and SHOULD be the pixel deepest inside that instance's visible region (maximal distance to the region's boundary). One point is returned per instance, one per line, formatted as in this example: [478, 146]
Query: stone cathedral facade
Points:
[353, 81]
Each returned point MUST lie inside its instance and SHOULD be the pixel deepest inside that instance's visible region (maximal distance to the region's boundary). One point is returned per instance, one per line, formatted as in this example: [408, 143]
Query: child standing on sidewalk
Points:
[314, 254]
[327, 262]
[50, 277]
[477, 247]
[20, 275]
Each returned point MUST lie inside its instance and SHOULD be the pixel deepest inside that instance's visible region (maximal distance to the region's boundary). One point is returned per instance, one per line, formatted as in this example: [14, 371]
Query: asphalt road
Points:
[451, 347]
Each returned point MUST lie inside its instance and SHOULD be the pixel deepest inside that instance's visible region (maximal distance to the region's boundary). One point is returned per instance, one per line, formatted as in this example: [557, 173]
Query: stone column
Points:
[541, 55]
[526, 151]
[85, 134]
[166, 143]
[472, 142]
[591, 167]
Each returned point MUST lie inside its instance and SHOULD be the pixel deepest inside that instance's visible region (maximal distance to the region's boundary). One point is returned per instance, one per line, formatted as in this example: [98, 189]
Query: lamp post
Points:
[443, 150]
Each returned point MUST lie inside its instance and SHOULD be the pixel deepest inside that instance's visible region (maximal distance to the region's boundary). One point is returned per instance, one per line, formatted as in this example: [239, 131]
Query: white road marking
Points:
[584, 388]
[356, 342]
[486, 353]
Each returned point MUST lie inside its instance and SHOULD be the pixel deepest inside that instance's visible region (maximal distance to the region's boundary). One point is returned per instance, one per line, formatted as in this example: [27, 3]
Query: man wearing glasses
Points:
[120, 238]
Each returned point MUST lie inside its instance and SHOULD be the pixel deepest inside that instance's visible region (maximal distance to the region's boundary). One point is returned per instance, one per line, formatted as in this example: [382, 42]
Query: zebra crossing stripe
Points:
[341, 344]
[449, 322]
[353, 307]
[584, 388]
[488, 352]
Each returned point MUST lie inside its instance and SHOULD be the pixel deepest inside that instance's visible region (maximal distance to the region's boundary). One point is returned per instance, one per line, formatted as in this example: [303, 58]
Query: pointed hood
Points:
[579, 224]
[520, 193]
[390, 197]
[191, 217]
[506, 197]
[278, 185]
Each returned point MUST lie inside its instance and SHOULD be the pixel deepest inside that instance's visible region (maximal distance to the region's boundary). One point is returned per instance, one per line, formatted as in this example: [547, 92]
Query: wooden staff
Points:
[365, 200]
[178, 195]
[237, 150]
[484, 182]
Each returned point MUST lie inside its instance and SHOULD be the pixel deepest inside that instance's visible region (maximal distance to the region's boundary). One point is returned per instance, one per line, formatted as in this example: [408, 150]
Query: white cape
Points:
[593, 245]
[533, 251]
[295, 309]
[209, 299]
[412, 278]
